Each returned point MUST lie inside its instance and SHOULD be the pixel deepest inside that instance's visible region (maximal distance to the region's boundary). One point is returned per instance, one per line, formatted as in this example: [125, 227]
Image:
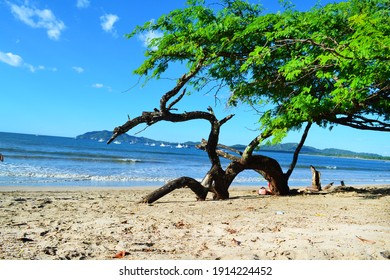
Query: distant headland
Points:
[104, 135]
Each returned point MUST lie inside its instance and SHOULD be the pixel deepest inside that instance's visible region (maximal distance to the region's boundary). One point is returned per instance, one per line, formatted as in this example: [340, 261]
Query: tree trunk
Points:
[272, 172]
[268, 167]
[216, 180]
[219, 185]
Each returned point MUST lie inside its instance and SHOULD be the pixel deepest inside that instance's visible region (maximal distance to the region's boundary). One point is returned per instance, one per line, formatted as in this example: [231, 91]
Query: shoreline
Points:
[97, 224]
[151, 188]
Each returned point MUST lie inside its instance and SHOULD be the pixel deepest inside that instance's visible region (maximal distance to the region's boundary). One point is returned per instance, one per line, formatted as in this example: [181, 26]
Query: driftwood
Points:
[315, 182]
[315, 178]
[328, 186]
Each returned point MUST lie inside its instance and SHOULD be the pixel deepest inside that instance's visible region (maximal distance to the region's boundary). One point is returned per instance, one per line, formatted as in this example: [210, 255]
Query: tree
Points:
[328, 66]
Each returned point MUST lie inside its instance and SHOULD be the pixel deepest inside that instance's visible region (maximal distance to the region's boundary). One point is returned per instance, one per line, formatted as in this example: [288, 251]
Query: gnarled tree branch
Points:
[163, 114]
[182, 182]
[216, 182]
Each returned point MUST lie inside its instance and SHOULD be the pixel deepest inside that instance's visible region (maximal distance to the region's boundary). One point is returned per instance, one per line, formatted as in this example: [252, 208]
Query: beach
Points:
[46, 223]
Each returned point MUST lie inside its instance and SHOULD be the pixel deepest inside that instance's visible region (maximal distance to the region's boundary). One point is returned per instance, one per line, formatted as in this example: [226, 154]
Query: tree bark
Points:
[182, 182]
[216, 180]
[298, 149]
[268, 167]
[315, 178]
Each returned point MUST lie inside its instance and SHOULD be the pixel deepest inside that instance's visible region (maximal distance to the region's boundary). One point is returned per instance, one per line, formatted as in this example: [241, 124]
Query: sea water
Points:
[34, 160]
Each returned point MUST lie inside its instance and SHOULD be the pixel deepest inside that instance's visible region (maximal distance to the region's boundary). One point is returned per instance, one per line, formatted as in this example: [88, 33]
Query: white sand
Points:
[49, 223]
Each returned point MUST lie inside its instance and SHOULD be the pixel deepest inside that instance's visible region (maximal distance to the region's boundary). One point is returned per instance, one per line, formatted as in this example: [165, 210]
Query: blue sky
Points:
[66, 68]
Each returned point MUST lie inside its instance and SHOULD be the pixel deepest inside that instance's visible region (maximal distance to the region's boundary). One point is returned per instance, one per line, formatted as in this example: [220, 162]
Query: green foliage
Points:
[328, 66]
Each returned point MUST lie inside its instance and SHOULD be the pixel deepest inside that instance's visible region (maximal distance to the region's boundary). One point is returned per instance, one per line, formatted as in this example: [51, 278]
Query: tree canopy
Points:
[329, 65]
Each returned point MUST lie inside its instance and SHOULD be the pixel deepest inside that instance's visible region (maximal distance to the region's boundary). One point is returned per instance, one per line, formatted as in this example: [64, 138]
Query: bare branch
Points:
[174, 102]
[228, 156]
[221, 153]
[182, 81]
[210, 109]
[254, 143]
[225, 119]
[142, 130]
[230, 149]
[182, 182]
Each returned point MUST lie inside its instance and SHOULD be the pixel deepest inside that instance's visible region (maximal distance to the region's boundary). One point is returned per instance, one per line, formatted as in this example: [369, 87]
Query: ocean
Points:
[35, 160]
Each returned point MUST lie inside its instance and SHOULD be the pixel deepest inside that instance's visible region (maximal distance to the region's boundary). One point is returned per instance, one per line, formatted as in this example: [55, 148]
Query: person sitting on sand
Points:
[264, 191]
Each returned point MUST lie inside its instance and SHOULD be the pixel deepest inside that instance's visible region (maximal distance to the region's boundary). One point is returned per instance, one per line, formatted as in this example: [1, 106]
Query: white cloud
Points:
[11, 59]
[34, 68]
[82, 4]
[17, 61]
[98, 85]
[147, 37]
[36, 18]
[102, 86]
[107, 22]
[78, 69]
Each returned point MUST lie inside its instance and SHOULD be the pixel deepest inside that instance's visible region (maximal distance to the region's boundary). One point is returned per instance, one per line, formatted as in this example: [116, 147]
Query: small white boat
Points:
[179, 146]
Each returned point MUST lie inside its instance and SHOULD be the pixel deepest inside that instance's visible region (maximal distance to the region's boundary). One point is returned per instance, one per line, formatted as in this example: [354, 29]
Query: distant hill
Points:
[290, 148]
[105, 135]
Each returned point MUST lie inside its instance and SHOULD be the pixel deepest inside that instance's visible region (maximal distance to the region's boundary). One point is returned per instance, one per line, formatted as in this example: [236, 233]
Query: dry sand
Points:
[99, 223]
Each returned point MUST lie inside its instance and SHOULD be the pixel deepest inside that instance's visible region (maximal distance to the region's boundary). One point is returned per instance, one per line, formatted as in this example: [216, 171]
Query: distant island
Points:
[104, 135]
